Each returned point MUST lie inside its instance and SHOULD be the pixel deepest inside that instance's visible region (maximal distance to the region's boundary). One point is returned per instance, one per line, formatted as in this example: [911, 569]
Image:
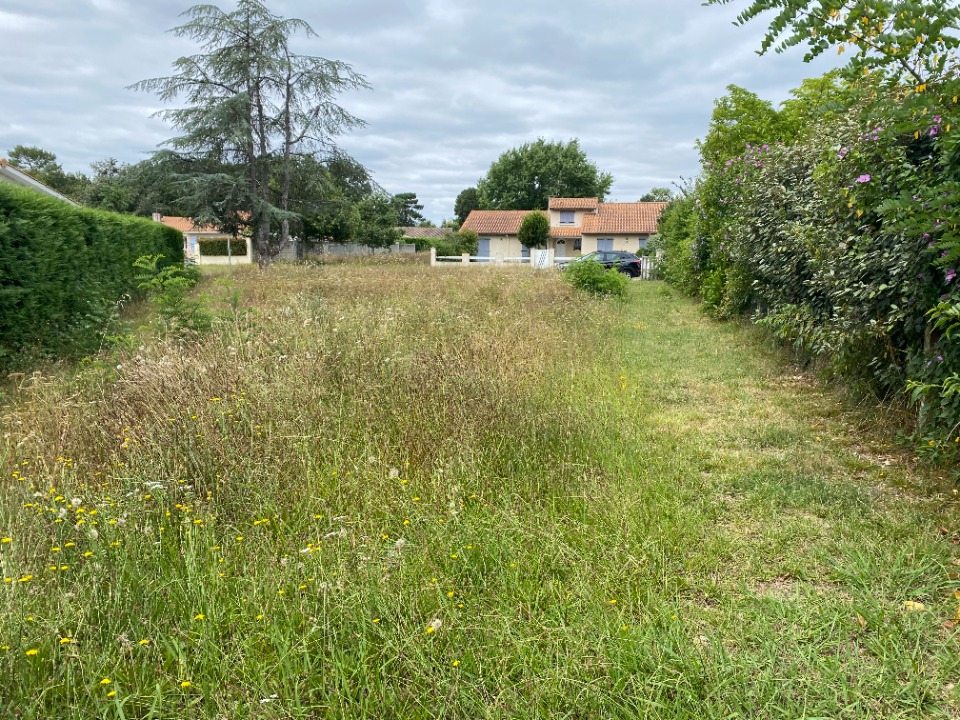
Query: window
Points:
[567, 217]
[577, 245]
[643, 243]
[524, 251]
[604, 244]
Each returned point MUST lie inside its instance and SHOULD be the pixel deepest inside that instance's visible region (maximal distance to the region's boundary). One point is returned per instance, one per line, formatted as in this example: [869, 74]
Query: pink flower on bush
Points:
[865, 178]
[951, 274]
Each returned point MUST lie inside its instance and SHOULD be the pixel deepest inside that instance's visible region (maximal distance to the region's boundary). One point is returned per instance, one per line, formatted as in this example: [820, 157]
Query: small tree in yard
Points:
[534, 231]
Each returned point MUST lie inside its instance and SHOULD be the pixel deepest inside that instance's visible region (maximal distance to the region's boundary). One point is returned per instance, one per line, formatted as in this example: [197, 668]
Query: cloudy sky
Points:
[455, 82]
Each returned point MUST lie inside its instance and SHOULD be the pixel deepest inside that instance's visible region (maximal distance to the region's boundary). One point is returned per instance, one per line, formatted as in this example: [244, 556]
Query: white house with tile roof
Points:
[577, 226]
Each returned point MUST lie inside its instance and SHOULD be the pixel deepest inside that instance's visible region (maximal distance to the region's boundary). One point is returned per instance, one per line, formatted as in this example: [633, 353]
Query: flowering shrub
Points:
[844, 244]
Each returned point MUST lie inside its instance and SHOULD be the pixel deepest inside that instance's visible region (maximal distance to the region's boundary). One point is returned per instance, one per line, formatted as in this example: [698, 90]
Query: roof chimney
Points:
[158, 217]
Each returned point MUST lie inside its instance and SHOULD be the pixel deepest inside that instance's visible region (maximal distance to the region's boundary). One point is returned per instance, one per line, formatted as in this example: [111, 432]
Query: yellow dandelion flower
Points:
[406, 522]
[259, 617]
[32, 651]
[25, 579]
[376, 620]
[111, 693]
[5, 540]
[88, 553]
[66, 641]
[105, 681]
[612, 601]
[456, 663]
[144, 642]
[186, 684]
[198, 616]
[450, 594]
[239, 538]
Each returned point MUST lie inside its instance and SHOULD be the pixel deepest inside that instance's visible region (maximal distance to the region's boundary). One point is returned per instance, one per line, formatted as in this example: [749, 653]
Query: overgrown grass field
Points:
[383, 490]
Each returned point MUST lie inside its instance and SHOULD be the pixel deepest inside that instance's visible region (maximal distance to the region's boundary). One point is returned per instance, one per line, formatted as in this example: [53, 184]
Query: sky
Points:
[455, 83]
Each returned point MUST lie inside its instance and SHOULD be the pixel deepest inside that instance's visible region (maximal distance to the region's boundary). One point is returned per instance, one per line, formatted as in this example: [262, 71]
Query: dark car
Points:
[626, 262]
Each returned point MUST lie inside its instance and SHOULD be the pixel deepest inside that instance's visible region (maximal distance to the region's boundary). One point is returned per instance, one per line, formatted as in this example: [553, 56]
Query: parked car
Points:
[626, 262]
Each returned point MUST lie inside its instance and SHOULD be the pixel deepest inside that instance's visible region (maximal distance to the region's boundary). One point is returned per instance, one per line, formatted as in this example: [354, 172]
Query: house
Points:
[196, 236]
[10, 174]
[577, 226]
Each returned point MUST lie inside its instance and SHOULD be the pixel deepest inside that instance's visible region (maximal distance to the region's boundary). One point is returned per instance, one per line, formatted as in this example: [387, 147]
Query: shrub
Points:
[167, 287]
[592, 277]
[458, 243]
[63, 269]
[217, 247]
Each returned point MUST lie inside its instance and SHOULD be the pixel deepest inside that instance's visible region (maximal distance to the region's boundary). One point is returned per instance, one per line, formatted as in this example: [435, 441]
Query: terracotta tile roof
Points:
[424, 232]
[495, 222]
[558, 231]
[185, 225]
[558, 203]
[639, 218]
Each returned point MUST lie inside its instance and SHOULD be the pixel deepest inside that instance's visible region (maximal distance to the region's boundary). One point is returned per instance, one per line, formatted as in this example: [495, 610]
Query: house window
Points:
[604, 244]
[578, 245]
[567, 217]
[524, 251]
[643, 243]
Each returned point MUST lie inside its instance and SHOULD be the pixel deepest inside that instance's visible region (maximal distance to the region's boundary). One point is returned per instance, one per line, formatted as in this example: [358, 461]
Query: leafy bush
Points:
[167, 287]
[218, 247]
[844, 243]
[458, 243]
[63, 269]
[592, 277]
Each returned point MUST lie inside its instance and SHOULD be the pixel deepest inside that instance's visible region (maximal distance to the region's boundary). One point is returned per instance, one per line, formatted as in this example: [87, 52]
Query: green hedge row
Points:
[218, 247]
[62, 270]
[843, 241]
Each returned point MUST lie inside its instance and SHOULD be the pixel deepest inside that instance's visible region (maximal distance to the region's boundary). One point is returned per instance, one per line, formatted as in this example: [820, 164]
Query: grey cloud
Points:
[455, 82]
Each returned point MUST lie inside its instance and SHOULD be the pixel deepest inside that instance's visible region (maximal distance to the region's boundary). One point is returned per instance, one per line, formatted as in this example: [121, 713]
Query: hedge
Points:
[62, 270]
[218, 247]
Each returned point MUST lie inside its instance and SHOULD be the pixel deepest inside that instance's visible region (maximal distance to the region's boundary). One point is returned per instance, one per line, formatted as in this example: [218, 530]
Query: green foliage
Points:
[407, 208]
[467, 201]
[591, 277]
[845, 244]
[252, 107]
[907, 39]
[534, 230]
[167, 289]
[525, 178]
[221, 247]
[658, 194]
[740, 118]
[42, 165]
[62, 270]
[455, 243]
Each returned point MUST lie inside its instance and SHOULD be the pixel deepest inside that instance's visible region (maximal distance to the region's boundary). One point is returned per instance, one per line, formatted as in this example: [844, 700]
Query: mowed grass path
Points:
[397, 492]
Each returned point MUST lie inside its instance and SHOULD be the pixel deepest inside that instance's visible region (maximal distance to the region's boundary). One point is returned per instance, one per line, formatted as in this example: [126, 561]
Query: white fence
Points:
[538, 260]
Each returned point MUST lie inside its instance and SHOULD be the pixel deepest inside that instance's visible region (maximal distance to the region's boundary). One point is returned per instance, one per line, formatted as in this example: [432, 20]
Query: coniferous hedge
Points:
[62, 270]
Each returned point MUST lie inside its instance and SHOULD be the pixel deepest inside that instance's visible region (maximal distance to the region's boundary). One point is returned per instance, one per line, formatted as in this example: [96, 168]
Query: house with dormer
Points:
[577, 226]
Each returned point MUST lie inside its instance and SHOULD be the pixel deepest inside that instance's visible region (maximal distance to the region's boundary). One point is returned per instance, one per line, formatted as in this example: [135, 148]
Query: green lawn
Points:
[391, 491]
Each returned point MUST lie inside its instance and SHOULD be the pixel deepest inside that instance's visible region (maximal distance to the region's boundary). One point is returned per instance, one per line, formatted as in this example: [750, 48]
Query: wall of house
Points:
[554, 216]
[627, 243]
[504, 245]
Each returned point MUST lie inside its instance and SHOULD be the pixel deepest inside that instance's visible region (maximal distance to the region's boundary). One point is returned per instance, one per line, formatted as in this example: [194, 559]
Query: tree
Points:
[407, 208]
[658, 194]
[466, 202]
[525, 178]
[43, 166]
[534, 230]
[907, 38]
[739, 118]
[252, 106]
